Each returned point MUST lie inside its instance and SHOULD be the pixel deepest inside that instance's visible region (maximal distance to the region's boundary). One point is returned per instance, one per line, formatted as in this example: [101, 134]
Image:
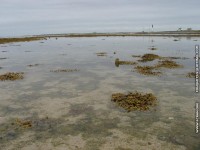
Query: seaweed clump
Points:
[23, 123]
[134, 101]
[168, 64]
[64, 70]
[3, 58]
[192, 75]
[118, 62]
[136, 55]
[101, 54]
[34, 65]
[147, 70]
[149, 57]
[12, 76]
[153, 48]
[183, 58]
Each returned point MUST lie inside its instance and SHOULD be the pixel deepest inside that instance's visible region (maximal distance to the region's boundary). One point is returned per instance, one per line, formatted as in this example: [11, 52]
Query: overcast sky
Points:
[31, 17]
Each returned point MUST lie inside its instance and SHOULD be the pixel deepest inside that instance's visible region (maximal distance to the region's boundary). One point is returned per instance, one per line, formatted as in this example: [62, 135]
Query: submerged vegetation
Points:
[147, 70]
[23, 123]
[136, 55]
[149, 57]
[34, 65]
[2, 58]
[164, 62]
[191, 75]
[134, 101]
[25, 39]
[64, 70]
[118, 62]
[176, 58]
[11, 76]
[153, 48]
[168, 64]
[101, 54]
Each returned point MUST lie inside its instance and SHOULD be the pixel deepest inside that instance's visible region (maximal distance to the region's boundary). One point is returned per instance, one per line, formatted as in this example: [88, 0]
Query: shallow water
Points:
[73, 110]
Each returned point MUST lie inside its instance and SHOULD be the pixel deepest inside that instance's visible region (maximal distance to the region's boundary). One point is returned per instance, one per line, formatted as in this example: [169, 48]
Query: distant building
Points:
[189, 29]
[179, 29]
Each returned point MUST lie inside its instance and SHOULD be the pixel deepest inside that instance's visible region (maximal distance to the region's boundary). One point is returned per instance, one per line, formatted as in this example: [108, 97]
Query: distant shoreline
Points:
[185, 33]
[161, 33]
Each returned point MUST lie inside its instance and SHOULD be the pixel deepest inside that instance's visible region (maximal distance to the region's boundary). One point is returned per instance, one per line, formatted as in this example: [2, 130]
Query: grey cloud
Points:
[22, 17]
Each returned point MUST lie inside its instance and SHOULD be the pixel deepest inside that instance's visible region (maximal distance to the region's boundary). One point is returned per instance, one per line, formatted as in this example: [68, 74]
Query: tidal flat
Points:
[64, 98]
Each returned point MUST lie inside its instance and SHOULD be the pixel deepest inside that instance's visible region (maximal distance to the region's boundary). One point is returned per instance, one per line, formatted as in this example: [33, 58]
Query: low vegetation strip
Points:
[25, 39]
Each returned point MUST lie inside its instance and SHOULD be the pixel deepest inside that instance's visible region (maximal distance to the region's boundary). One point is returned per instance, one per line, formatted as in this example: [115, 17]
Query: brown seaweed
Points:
[191, 75]
[12, 76]
[64, 70]
[101, 54]
[149, 57]
[33, 65]
[168, 64]
[147, 70]
[119, 62]
[134, 101]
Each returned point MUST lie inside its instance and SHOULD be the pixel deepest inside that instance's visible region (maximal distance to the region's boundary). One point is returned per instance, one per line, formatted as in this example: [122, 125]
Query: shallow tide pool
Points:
[73, 110]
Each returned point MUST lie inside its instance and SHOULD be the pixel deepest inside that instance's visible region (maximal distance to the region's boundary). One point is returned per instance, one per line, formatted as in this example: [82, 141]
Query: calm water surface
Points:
[73, 110]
